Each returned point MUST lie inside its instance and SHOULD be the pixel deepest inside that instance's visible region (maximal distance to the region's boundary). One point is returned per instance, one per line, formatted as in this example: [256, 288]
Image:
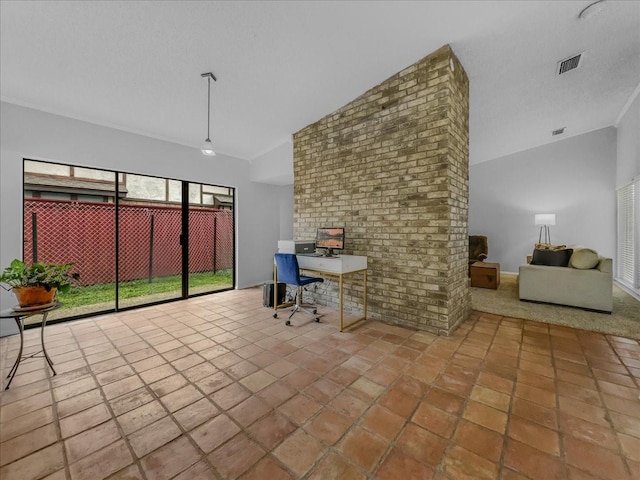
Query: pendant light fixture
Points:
[207, 148]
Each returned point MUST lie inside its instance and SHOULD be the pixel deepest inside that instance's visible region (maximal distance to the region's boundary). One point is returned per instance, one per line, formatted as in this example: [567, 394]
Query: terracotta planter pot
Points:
[30, 296]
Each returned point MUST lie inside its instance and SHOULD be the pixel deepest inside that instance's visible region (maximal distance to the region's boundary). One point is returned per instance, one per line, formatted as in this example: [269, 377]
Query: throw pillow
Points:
[548, 246]
[551, 258]
[584, 259]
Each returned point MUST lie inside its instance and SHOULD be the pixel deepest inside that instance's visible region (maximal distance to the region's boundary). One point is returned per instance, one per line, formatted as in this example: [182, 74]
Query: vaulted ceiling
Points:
[282, 65]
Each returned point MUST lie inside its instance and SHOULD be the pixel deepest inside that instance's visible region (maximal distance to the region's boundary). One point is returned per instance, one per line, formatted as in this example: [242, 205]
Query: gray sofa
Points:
[589, 288]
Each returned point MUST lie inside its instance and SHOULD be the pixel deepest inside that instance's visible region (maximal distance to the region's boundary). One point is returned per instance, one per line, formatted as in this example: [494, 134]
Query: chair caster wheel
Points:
[315, 310]
[275, 315]
[287, 323]
[317, 320]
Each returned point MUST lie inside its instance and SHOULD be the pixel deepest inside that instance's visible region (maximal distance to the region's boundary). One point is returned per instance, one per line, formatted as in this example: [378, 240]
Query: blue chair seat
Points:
[289, 272]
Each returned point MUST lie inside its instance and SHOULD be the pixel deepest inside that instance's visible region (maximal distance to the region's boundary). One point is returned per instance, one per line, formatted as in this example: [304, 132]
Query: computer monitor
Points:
[330, 238]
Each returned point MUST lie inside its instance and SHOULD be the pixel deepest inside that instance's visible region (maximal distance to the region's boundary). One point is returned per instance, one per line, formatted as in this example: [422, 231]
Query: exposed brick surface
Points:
[392, 168]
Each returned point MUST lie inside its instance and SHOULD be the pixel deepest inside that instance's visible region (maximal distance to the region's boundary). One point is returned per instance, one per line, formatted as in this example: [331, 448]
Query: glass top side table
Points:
[19, 315]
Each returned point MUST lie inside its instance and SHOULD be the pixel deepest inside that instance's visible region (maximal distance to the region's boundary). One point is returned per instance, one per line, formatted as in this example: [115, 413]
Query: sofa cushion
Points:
[584, 259]
[551, 258]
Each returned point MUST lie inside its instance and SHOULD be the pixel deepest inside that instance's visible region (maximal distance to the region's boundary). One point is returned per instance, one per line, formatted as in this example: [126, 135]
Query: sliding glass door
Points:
[211, 239]
[149, 250]
[134, 239]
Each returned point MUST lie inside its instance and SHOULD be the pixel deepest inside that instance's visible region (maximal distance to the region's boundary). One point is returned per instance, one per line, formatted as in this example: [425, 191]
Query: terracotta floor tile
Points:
[166, 462]
[398, 464]
[130, 401]
[444, 400]
[277, 393]
[435, 420]
[588, 432]
[37, 465]
[486, 416]
[622, 405]
[299, 408]
[25, 423]
[153, 436]
[625, 424]
[168, 385]
[301, 378]
[402, 391]
[214, 433]
[230, 395]
[122, 387]
[271, 430]
[79, 402]
[630, 446]
[593, 459]
[363, 448]
[75, 388]
[236, 456]
[28, 405]
[196, 413]
[383, 422]
[213, 383]
[141, 417]
[482, 441]
[490, 397]
[590, 413]
[547, 417]
[546, 398]
[258, 380]
[495, 382]
[532, 462]
[329, 426]
[534, 435]
[249, 410]
[399, 402]
[462, 463]
[299, 452]
[102, 463]
[424, 446]
[84, 420]
[27, 443]
[181, 398]
[91, 440]
[267, 468]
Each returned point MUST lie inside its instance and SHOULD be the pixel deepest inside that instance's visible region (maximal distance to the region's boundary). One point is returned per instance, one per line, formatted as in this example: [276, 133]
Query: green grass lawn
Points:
[105, 292]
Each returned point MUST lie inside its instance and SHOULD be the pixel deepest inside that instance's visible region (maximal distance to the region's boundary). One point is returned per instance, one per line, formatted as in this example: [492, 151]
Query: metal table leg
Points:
[44, 350]
[14, 369]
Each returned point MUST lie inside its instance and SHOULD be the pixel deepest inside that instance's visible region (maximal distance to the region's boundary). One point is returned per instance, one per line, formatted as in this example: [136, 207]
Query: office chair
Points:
[289, 273]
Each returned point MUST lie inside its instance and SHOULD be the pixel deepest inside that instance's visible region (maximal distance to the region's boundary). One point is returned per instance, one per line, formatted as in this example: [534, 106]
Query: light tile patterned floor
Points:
[214, 387]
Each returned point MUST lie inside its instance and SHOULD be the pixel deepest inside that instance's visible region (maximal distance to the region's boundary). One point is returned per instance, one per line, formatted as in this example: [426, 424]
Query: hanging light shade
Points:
[207, 148]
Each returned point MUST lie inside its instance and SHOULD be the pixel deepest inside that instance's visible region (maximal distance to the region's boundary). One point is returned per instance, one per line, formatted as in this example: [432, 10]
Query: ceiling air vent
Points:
[559, 131]
[569, 64]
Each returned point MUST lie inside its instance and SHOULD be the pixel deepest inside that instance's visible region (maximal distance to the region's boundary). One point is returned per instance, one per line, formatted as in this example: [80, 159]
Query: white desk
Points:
[339, 266]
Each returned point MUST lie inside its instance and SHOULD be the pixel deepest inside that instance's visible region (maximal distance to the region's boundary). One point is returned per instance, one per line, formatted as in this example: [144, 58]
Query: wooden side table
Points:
[485, 275]
[19, 316]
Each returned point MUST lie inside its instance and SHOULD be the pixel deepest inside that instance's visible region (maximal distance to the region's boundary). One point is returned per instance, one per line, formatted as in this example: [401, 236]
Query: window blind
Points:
[628, 249]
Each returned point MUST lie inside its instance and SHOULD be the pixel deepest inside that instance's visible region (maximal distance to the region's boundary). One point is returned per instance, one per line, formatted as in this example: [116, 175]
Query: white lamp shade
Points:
[545, 218]
[207, 148]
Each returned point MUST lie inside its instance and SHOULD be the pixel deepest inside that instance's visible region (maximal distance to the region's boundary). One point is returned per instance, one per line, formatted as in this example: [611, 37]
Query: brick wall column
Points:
[392, 168]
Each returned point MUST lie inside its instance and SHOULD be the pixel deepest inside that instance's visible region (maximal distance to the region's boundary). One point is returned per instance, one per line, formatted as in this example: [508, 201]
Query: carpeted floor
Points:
[624, 321]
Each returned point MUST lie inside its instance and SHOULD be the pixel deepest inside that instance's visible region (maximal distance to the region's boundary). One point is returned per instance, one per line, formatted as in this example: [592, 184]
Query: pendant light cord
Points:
[209, 110]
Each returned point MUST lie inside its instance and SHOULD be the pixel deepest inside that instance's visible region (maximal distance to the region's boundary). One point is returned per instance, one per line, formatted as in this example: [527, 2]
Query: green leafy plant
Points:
[47, 275]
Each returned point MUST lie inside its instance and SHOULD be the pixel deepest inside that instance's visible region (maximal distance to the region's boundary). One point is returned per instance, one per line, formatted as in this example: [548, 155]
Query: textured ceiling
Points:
[282, 65]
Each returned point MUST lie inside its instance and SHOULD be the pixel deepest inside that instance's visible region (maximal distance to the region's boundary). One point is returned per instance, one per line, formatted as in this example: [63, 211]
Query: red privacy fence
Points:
[84, 233]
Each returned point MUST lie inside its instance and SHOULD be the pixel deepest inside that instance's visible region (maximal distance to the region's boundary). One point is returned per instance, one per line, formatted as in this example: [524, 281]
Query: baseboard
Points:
[633, 293]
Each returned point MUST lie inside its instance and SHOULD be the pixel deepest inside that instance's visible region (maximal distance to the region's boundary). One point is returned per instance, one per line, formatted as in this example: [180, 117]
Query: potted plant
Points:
[38, 283]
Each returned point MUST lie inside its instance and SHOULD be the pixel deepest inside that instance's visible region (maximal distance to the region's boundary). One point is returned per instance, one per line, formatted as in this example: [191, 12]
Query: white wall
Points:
[28, 133]
[275, 166]
[573, 178]
[286, 212]
[628, 166]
